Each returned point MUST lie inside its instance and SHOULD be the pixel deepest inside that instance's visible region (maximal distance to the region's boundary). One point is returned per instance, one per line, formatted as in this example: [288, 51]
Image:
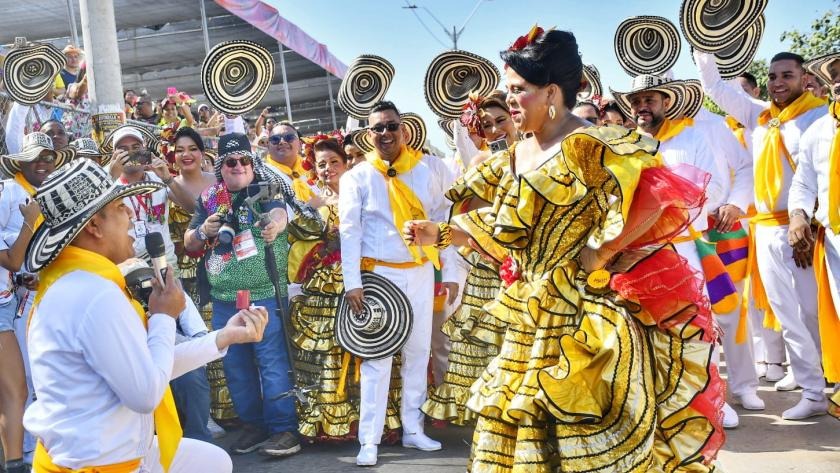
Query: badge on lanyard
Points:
[244, 246]
[140, 229]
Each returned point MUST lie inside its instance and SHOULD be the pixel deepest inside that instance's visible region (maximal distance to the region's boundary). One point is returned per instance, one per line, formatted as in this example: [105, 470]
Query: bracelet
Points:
[166, 182]
[31, 230]
[799, 212]
[444, 236]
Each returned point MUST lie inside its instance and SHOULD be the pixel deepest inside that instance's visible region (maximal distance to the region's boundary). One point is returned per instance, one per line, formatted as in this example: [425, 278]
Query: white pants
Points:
[740, 363]
[418, 285]
[192, 456]
[792, 293]
[768, 345]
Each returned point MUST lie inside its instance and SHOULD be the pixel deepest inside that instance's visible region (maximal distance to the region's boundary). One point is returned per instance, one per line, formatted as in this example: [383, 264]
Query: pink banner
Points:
[268, 20]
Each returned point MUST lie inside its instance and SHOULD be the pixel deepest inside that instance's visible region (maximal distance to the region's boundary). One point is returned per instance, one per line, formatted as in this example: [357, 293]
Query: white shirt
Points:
[145, 208]
[691, 147]
[738, 161]
[12, 195]
[98, 374]
[810, 183]
[734, 101]
[367, 223]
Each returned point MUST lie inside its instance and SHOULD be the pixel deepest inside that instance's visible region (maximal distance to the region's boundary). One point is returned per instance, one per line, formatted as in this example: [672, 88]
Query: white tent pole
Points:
[71, 12]
[285, 84]
[332, 101]
[99, 31]
[204, 27]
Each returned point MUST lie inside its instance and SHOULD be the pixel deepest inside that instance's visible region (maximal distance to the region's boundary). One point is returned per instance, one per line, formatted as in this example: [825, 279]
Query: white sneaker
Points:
[775, 372]
[216, 430]
[730, 417]
[760, 369]
[421, 442]
[788, 383]
[750, 401]
[806, 408]
[367, 455]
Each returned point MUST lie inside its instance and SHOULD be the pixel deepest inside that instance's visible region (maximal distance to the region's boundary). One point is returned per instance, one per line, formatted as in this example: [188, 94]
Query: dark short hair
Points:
[382, 106]
[749, 78]
[613, 107]
[788, 56]
[586, 103]
[552, 59]
[52, 120]
[333, 145]
[187, 132]
[288, 124]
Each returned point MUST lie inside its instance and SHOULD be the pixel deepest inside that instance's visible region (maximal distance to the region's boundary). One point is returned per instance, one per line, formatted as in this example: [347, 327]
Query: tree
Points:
[823, 38]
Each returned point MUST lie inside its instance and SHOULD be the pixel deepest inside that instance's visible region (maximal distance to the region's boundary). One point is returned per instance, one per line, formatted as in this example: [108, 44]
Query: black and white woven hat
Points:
[382, 328]
[411, 121]
[694, 96]
[736, 56]
[68, 198]
[820, 66]
[646, 45]
[365, 83]
[33, 145]
[710, 25]
[674, 90]
[593, 83]
[452, 76]
[29, 70]
[448, 127]
[236, 75]
[87, 148]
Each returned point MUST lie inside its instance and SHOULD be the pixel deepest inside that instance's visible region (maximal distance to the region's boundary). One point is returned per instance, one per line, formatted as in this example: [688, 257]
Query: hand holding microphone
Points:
[157, 252]
[167, 296]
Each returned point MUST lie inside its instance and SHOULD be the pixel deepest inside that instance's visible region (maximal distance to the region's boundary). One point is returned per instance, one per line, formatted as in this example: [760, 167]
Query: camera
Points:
[138, 280]
[226, 232]
[140, 156]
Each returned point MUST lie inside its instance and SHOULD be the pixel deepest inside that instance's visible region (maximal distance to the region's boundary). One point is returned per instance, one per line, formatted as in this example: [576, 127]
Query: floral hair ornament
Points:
[524, 41]
[470, 116]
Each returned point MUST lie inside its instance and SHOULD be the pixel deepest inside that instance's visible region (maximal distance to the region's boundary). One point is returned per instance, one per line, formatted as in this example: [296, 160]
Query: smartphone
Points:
[171, 91]
[498, 145]
[141, 156]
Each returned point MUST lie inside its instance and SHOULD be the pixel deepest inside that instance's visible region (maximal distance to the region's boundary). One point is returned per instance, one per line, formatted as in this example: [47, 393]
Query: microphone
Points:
[157, 252]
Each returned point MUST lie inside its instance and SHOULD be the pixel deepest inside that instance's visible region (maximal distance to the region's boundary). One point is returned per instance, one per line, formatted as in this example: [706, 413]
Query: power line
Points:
[413, 9]
[455, 34]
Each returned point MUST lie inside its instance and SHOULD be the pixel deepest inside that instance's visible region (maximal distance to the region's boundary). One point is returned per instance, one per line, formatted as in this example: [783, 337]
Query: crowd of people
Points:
[569, 271]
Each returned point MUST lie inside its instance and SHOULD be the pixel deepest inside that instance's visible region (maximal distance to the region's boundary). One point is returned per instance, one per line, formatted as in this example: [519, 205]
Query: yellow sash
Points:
[754, 285]
[404, 202]
[31, 191]
[299, 185]
[768, 166]
[737, 128]
[834, 173]
[828, 322]
[167, 426]
[671, 128]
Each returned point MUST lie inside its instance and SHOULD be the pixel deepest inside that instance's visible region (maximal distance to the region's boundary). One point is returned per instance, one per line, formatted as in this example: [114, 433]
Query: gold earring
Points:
[552, 112]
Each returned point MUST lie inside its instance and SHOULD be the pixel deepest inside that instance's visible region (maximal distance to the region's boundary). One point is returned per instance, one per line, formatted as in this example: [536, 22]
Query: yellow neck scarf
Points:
[829, 324]
[834, 173]
[70, 259]
[737, 129]
[31, 191]
[296, 173]
[404, 203]
[671, 128]
[768, 166]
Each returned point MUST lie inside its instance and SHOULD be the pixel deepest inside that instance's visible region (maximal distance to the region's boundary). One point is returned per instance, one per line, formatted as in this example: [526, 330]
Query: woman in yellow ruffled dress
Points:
[600, 370]
[330, 373]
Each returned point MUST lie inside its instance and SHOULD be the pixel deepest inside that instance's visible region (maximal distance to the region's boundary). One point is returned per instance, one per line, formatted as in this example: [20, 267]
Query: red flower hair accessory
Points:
[470, 117]
[523, 41]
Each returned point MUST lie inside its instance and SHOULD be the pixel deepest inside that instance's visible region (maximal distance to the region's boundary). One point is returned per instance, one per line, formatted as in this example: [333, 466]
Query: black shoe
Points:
[250, 439]
[281, 445]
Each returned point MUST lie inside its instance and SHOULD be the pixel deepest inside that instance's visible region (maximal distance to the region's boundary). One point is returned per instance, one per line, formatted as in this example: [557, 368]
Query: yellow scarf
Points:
[31, 191]
[834, 173]
[829, 324]
[70, 259]
[768, 166]
[404, 203]
[296, 173]
[737, 129]
[671, 128]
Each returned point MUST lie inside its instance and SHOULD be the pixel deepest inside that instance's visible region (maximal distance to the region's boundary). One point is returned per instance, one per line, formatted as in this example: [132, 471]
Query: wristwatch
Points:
[199, 233]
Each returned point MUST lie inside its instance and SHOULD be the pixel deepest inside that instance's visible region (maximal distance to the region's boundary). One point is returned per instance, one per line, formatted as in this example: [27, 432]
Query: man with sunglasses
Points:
[284, 159]
[373, 196]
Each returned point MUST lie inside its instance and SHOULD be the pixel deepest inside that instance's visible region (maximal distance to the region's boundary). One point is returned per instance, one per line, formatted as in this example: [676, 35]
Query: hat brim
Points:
[710, 28]
[151, 141]
[48, 242]
[819, 66]
[646, 45]
[736, 57]
[694, 96]
[10, 164]
[365, 83]
[413, 123]
[448, 127]
[452, 76]
[23, 86]
[384, 297]
[593, 83]
[673, 90]
[236, 75]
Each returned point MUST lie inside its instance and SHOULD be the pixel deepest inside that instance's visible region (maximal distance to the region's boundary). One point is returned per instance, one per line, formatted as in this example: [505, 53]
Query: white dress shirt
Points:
[734, 101]
[99, 374]
[739, 162]
[810, 183]
[11, 221]
[367, 222]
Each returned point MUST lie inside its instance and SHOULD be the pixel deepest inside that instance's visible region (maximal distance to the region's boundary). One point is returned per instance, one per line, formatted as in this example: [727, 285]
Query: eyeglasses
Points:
[47, 158]
[287, 137]
[232, 162]
[380, 128]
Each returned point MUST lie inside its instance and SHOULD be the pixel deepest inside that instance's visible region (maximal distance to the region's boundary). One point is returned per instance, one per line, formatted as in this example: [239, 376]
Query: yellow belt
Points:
[42, 463]
[369, 263]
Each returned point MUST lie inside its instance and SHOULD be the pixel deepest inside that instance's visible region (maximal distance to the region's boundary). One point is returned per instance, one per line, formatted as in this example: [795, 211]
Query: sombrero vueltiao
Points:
[448, 127]
[693, 97]
[593, 83]
[68, 198]
[29, 70]
[33, 145]
[710, 25]
[674, 90]
[646, 45]
[452, 76]
[365, 83]
[820, 66]
[151, 141]
[382, 328]
[236, 75]
[737, 55]
[416, 133]
[87, 148]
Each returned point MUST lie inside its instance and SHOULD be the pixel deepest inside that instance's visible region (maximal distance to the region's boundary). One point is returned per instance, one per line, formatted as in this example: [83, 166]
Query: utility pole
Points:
[99, 30]
[454, 34]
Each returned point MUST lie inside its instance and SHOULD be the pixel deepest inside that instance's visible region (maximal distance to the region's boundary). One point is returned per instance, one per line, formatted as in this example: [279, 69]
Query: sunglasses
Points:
[47, 158]
[276, 139]
[381, 127]
[232, 162]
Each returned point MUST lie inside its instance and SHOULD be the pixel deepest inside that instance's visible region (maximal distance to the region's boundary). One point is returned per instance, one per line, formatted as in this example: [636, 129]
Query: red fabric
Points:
[709, 403]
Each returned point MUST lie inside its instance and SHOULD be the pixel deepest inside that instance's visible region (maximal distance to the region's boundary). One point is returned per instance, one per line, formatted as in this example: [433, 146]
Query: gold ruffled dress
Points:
[331, 372]
[221, 405]
[583, 381]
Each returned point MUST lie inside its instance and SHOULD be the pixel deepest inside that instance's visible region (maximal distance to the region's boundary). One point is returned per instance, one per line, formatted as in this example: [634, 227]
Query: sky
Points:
[383, 27]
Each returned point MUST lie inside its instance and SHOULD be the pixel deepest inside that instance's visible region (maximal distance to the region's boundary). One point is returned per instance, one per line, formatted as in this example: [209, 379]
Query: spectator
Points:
[145, 111]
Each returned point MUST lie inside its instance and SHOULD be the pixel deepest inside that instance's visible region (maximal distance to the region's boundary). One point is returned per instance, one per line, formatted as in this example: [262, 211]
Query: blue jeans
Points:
[191, 391]
[259, 372]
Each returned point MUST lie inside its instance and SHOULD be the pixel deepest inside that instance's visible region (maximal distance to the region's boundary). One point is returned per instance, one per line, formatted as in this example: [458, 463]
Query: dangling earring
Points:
[552, 112]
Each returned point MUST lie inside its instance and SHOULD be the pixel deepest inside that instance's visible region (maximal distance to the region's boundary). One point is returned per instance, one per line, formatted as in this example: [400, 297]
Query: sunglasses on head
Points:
[381, 127]
[244, 161]
[287, 137]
